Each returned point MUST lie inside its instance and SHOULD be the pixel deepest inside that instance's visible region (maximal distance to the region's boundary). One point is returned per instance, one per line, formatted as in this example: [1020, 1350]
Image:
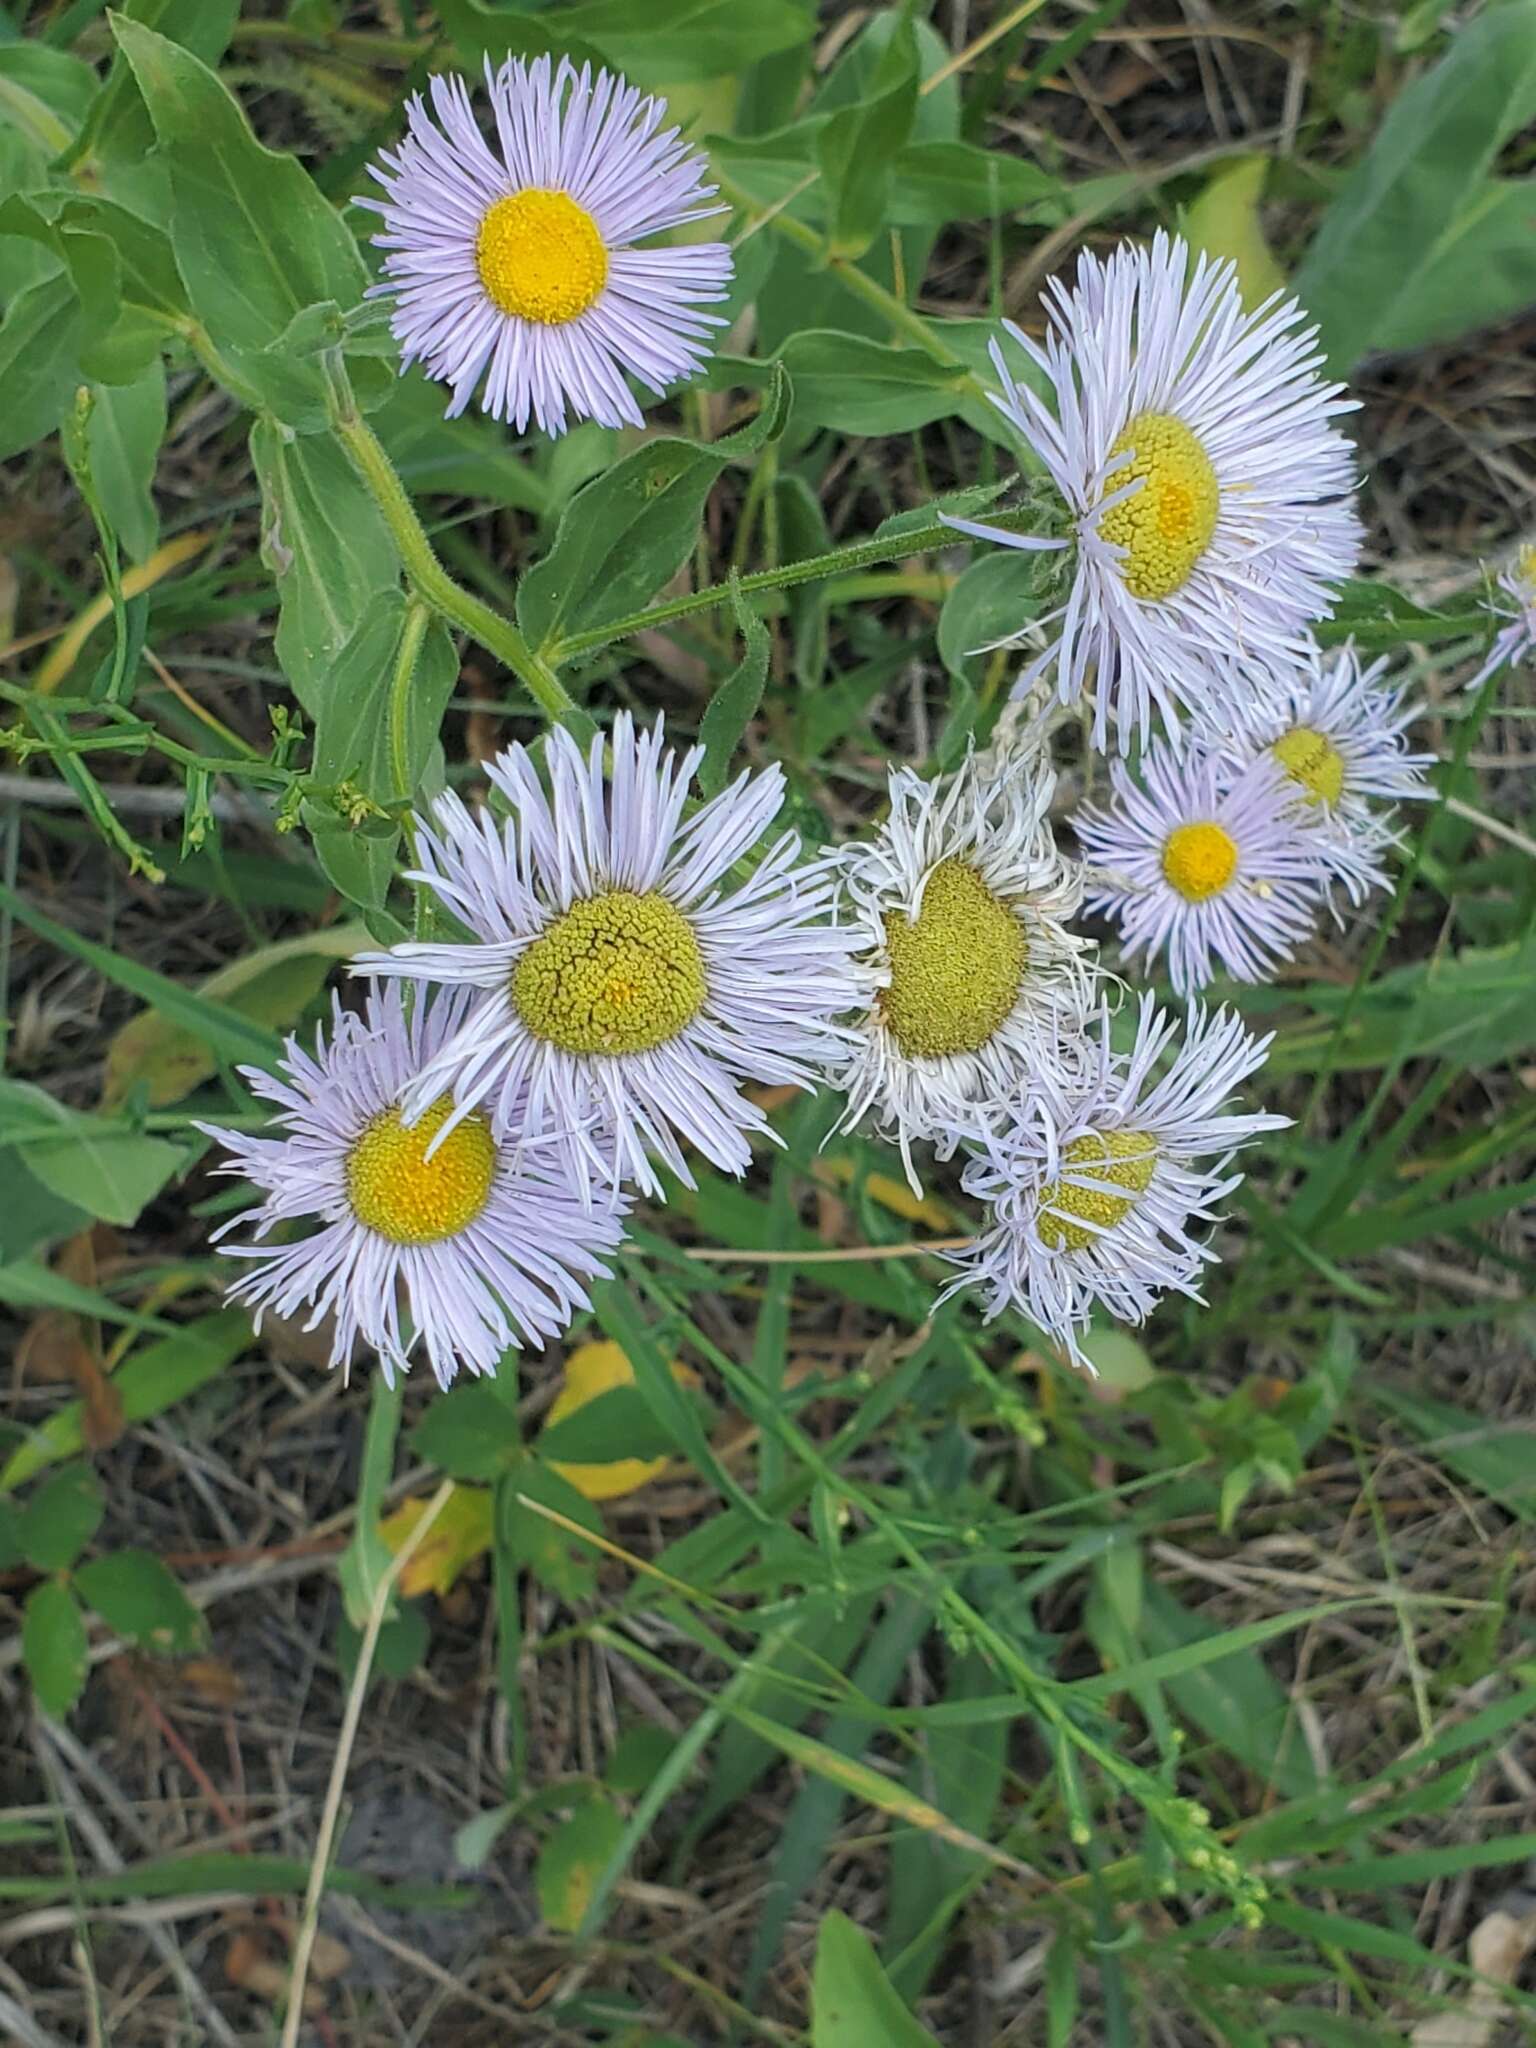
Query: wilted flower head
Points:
[519, 268]
[1091, 1189]
[1210, 496]
[628, 987]
[452, 1238]
[972, 982]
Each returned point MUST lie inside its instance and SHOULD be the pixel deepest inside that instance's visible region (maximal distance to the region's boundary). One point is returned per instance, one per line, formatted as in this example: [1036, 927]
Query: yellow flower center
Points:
[1525, 567]
[1199, 860]
[1166, 526]
[956, 971]
[1310, 758]
[541, 257]
[1127, 1158]
[617, 973]
[395, 1189]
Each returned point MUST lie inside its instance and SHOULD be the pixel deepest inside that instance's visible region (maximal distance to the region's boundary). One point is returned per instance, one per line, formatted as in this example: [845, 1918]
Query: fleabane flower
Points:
[972, 982]
[1208, 867]
[1340, 735]
[454, 1239]
[1517, 640]
[1092, 1189]
[517, 265]
[628, 986]
[1210, 495]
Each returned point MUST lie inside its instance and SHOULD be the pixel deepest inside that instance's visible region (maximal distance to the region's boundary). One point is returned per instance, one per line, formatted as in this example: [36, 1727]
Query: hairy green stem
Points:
[913, 540]
[431, 580]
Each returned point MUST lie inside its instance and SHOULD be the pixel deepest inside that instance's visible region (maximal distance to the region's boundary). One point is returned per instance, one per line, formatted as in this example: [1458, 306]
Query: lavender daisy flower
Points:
[627, 992]
[1210, 497]
[972, 981]
[1205, 867]
[1341, 737]
[1091, 1189]
[1516, 641]
[520, 269]
[488, 1243]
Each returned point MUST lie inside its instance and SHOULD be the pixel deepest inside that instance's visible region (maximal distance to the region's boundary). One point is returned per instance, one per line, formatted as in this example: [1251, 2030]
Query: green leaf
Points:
[54, 1646]
[630, 530]
[1378, 618]
[857, 146]
[61, 1518]
[470, 1432]
[326, 543]
[1479, 272]
[734, 704]
[32, 1215]
[992, 600]
[855, 386]
[362, 734]
[470, 457]
[557, 1557]
[1232, 1698]
[1223, 221]
[126, 427]
[44, 93]
[1427, 166]
[99, 1166]
[149, 1383]
[852, 2002]
[39, 341]
[574, 1857]
[140, 1600]
[255, 240]
[614, 1425]
[667, 40]
[935, 183]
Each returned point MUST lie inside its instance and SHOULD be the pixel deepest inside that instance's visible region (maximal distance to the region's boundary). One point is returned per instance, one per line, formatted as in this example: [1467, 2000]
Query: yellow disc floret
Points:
[956, 971]
[395, 1189]
[1199, 860]
[1311, 759]
[617, 973]
[1127, 1159]
[541, 257]
[1166, 526]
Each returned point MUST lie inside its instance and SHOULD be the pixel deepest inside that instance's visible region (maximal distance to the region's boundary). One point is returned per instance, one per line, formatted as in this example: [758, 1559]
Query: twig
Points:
[309, 1924]
[148, 799]
[1493, 825]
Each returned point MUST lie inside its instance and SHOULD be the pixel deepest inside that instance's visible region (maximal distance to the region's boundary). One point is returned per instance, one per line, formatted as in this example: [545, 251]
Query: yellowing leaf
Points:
[1224, 221]
[590, 1371]
[461, 1533]
[270, 986]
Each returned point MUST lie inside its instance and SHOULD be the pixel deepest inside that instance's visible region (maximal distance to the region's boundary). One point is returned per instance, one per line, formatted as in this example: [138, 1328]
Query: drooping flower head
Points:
[1340, 734]
[1517, 640]
[1092, 1188]
[519, 268]
[1210, 496]
[628, 988]
[972, 982]
[454, 1239]
[1210, 867]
